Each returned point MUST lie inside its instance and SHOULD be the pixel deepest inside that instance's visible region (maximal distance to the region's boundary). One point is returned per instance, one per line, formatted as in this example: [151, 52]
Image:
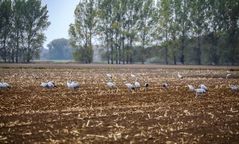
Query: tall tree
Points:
[146, 25]
[197, 17]
[59, 49]
[5, 27]
[165, 16]
[82, 32]
[104, 26]
[174, 31]
[215, 28]
[22, 34]
[132, 21]
[182, 12]
[35, 23]
[231, 24]
[18, 30]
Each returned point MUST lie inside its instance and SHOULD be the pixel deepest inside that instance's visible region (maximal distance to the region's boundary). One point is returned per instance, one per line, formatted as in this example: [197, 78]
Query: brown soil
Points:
[95, 114]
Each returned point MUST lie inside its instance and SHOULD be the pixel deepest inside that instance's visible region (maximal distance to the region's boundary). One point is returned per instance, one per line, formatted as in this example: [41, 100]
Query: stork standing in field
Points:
[165, 85]
[190, 88]
[228, 75]
[146, 86]
[111, 85]
[136, 84]
[234, 88]
[180, 76]
[202, 86]
[199, 91]
[109, 76]
[49, 84]
[72, 84]
[4, 85]
[132, 75]
[130, 86]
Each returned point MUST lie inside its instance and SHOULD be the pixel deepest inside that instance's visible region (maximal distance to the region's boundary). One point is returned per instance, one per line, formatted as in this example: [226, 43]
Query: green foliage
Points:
[198, 31]
[82, 31]
[22, 26]
[168, 31]
[5, 27]
[59, 49]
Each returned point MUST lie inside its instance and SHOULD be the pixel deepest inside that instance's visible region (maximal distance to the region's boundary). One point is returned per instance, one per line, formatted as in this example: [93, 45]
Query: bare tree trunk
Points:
[28, 54]
[17, 48]
[12, 56]
[182, 49]
[131, 49]
[142, 54]
[116, 49]
[214, 58]
[119, 54]
[112, 49]
[123, 51]
[174, 59]
[198, 50]
[108, 51]
[233, 37]
[4, 51]
[166, 48]
[127, 54]
[108, 54]
[174, 48]
[142, 50]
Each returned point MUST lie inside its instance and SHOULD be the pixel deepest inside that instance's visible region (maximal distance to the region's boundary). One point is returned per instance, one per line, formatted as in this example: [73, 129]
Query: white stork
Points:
[109, 76]
[202, 86]
[200, 91]
[4, 85]
[165, 85]
[228, 75]
[111, 85]
[191, 88]
[130, 86]
[49, 84]
[72, 84]
[180, 76]
[137, 85]
[234, 88]
[132, 75]
[146, 85]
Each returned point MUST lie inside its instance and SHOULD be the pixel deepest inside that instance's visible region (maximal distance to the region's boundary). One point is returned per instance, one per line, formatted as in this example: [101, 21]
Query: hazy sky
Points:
[61, 14]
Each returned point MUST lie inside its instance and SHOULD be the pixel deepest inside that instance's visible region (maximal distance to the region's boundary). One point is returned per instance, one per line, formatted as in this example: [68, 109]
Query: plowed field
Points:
[95, 114]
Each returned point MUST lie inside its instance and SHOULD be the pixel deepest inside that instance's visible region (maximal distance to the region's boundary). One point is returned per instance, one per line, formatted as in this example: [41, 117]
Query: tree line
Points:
[58, 49]
[174, 31]
[22, 25]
